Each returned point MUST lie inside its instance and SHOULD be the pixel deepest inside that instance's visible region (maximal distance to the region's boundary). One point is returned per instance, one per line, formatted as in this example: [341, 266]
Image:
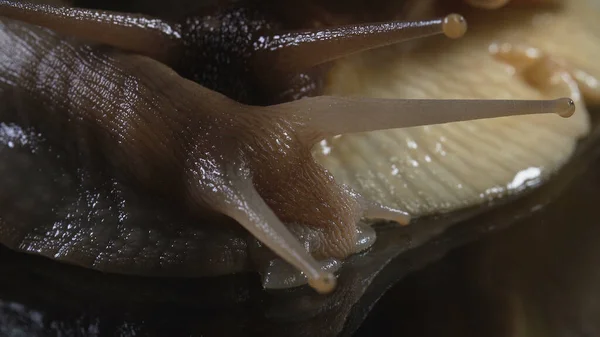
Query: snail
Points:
[214, 117]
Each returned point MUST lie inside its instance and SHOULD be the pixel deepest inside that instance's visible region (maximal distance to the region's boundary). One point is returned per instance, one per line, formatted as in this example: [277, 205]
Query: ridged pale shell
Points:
[440, 168]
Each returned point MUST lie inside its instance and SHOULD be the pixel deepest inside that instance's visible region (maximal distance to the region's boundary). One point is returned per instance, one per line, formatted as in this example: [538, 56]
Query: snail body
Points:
[118, 106]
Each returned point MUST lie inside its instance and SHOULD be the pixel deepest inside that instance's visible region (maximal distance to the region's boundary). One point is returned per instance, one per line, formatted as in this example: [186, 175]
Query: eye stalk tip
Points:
[454, 26]
[404, 219]
[565, 107]
[324, 283]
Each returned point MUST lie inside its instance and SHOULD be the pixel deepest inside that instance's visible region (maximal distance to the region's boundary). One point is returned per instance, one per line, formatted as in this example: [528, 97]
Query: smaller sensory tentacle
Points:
[245, 205]
[375, 210]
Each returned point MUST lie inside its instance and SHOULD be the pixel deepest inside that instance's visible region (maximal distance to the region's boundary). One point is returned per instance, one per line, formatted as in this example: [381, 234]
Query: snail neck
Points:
[220, 51]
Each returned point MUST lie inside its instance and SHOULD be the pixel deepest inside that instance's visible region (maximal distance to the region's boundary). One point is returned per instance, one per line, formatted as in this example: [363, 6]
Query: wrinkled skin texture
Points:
[203, 163]
[189, 161]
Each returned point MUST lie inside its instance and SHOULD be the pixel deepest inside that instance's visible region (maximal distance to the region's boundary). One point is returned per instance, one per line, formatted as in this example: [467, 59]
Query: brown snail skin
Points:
[116, 100]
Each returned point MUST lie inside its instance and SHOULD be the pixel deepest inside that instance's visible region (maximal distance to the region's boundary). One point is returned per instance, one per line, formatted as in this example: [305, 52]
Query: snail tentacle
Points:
[248, 208]
[290, 52]
[267, 52]
[137, 33]
[330, 116]
[375, 210]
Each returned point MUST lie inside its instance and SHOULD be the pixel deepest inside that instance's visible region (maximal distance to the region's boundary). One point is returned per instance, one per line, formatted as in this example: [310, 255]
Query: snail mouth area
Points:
[306, 197]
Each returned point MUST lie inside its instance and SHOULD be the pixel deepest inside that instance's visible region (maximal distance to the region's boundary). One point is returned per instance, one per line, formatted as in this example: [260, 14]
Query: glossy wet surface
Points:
[529, 266]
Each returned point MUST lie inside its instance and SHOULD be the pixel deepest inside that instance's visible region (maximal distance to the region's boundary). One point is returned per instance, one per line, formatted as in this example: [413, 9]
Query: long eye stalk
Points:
[289, 52]
[329, 116]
